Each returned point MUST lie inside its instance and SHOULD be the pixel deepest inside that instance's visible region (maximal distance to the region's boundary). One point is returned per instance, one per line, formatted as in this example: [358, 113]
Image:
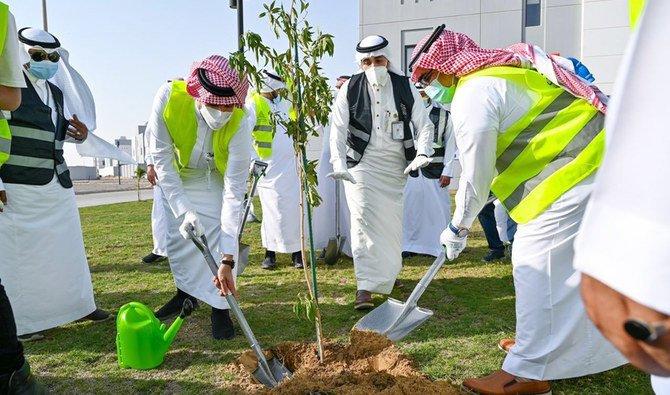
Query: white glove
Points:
[342, 175]
[191, 220]
[452, 243]
[418, 162]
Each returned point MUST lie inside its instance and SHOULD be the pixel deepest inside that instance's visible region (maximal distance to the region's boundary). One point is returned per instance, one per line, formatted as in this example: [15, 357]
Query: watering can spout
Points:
[171, 333]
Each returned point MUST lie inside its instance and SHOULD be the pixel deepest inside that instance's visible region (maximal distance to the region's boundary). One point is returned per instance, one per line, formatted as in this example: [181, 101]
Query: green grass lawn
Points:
[473, 304]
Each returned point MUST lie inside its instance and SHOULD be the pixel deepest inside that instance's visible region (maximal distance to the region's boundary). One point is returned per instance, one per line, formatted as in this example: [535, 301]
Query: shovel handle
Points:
[257, 170]
[201, 243]
[425, 280]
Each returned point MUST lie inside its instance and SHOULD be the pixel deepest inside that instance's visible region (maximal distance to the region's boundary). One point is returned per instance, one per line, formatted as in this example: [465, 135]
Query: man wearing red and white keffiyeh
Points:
[502, 122]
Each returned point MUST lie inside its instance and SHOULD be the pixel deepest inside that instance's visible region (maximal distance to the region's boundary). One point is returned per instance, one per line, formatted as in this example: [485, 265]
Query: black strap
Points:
[213, 89]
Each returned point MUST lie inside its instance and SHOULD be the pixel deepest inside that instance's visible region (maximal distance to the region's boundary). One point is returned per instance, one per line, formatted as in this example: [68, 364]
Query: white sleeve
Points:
[11, 70]
[2, 186]
[239, 152]
[424, 129]
[449, 149]
[476, 126]
[338, 131]
[250, 109]
[162, 153]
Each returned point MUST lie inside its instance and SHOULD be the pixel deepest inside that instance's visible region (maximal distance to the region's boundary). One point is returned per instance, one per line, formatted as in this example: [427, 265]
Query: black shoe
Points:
[494, 255]
[21, 382]
[98, 315]
[30, 337]
[407, 254]
[222, 325]
[297, 260]
[173, 307]
[153, 258]
[270, 261]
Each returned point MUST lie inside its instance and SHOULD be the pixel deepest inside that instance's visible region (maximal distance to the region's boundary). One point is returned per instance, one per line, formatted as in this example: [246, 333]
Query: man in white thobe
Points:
[279, 188]
[427, 208]
[200, 145]
[371, 144]
[159, 221]
[43, 263]
[502, 110]
[622, 250]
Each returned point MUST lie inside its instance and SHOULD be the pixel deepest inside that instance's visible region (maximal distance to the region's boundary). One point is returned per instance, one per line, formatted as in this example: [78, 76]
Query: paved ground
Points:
[109, 184]
[100, 198]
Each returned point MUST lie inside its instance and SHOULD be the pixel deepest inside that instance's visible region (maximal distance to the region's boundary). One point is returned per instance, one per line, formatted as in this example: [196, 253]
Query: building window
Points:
[533, 15]
[408, 57]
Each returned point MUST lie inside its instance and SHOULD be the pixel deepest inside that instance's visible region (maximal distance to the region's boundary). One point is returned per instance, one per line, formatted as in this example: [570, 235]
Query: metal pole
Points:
[45, 23]
[240, 23]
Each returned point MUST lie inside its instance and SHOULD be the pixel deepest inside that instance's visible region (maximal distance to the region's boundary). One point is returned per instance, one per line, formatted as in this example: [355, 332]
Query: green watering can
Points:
[141, 339]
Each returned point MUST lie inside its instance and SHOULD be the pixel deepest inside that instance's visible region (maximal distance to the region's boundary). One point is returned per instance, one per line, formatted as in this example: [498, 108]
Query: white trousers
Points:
[43, 263]
[427, 212]
[661, 385]
[190, 271]
[554, 337]
[159, 222]
[375, 204]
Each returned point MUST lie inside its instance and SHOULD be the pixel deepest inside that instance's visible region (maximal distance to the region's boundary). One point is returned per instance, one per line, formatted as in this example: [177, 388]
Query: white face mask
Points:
[214, 118]
[377, 75]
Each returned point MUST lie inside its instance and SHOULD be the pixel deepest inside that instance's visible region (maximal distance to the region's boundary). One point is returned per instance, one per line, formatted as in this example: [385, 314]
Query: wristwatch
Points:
[228, 262]
[460, 232]
[643, 331]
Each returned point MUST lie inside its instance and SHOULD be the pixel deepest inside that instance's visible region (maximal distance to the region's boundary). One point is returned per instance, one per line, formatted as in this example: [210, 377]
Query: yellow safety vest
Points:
[557, 144]
[635, 8]
[180, 118]
[264, 130]
[5, 134]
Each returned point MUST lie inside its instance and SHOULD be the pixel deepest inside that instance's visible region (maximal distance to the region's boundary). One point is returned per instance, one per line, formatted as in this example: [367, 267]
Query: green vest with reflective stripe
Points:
[180, 118]
[557, 144]
[5, 135]
[264, 130]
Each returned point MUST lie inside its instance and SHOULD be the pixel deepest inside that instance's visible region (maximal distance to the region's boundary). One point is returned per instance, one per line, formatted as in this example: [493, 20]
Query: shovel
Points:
[257, 170]
[269, 372]
[395, 319]
[334, 248]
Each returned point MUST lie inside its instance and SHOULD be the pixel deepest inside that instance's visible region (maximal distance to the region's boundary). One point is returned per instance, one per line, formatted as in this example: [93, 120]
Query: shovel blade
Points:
[277, 373]
[388, 320]
[332, 252]
[242, 258]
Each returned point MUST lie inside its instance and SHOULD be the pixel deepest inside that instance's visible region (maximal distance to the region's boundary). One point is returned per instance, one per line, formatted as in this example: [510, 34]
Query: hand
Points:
[609, 309]
[445, 181]
[225, 281]
[151, 175]
[77, 130]
[418, 162]
[342, 175]
[452, 243]
[3, 199]
[191, 221]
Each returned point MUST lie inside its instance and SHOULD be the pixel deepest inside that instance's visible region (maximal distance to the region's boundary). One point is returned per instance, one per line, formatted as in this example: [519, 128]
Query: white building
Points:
[110, 168]
[594, 31]
[140, 144]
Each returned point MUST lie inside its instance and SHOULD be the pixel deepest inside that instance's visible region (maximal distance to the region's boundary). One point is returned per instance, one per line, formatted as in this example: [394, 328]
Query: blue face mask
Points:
[440, 93]
[43, 70]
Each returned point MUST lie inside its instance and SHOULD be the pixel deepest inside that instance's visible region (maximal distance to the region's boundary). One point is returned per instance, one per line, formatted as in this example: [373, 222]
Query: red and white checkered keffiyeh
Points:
[457, 54]
[219, 72]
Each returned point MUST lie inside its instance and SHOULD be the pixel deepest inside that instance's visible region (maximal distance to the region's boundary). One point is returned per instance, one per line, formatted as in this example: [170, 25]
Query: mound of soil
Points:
[370, 363]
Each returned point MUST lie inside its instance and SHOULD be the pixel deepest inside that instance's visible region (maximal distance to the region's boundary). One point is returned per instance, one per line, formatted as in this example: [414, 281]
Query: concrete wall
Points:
[595, 31]
[83, 172]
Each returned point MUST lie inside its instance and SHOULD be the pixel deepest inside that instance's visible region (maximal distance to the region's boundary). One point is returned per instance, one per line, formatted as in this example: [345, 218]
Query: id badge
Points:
[398, 131]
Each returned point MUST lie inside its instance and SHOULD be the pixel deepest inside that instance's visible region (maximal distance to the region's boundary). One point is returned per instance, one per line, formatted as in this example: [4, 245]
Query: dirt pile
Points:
[369, 364]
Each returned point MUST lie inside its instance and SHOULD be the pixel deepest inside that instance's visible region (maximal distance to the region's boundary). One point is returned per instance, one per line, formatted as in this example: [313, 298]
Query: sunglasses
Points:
[40, 56]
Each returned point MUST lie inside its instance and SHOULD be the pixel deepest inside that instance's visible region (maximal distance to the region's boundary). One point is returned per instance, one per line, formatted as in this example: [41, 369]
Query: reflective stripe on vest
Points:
[5, 134]
[29, 161]
[557, 144]
[180, 118]
[264, 130]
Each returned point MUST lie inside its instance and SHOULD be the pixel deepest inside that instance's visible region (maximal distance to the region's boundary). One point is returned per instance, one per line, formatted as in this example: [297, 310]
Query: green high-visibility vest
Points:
[180, 118]
[635, 8]
[5, 134]
[264, 130]
[557, 144]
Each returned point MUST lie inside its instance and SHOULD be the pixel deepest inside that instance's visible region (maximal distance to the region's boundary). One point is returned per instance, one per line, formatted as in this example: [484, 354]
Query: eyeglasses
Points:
[427, 78]
[39, 56]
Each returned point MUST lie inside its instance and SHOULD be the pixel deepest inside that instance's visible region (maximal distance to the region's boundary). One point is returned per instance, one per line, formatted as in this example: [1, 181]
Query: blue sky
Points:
[126, 49]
